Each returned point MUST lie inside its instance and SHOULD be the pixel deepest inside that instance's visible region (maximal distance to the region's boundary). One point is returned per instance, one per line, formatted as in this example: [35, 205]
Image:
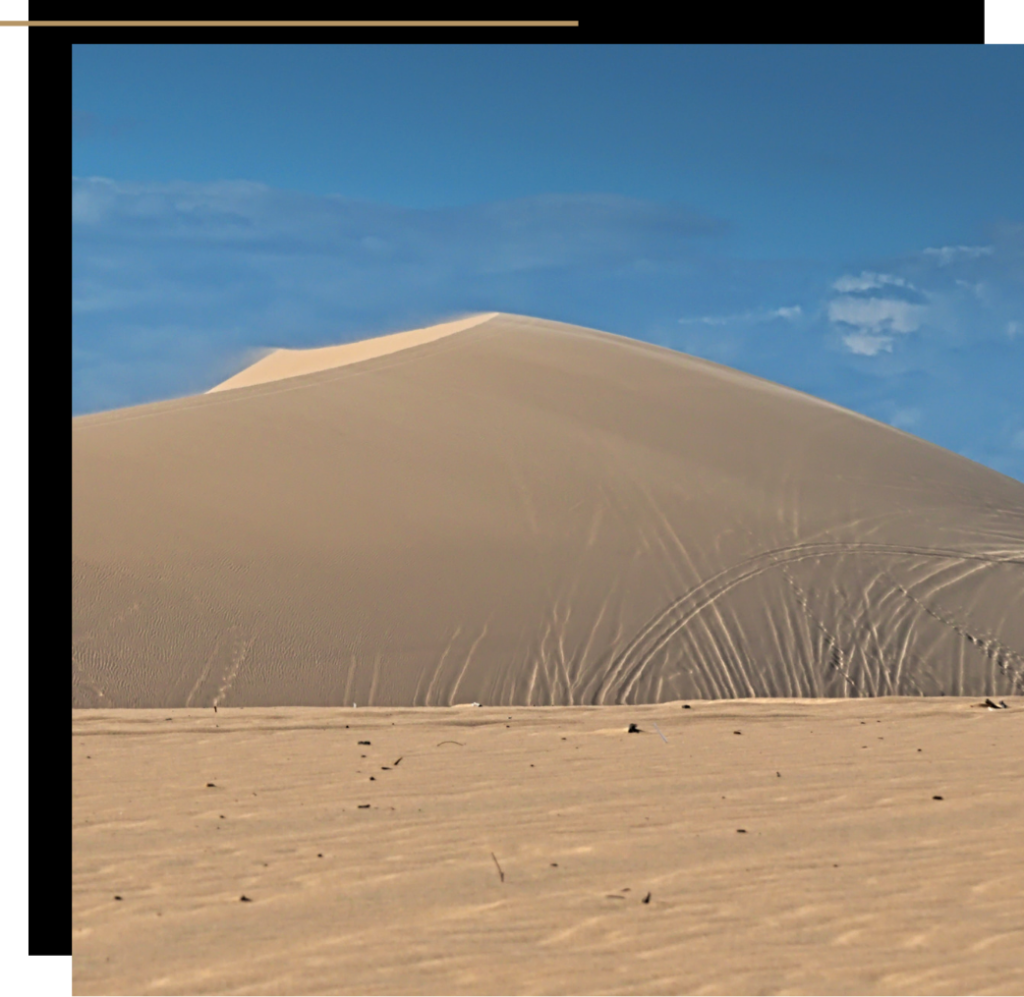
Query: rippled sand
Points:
[786, 847]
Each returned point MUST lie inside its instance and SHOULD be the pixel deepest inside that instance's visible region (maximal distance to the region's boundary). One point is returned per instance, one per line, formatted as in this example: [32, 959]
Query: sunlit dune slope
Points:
[534, 513]
[292, 363]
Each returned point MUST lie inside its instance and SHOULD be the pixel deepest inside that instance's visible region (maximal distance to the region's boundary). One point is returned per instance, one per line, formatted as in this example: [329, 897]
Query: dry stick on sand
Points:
[500, 873]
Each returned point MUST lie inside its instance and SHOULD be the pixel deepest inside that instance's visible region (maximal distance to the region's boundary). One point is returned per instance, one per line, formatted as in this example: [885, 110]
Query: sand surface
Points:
[524, 512]
[850, 877]
[293, 363]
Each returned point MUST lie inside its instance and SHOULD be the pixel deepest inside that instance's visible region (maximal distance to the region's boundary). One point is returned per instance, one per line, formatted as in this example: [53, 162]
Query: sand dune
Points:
[293, 363]
[524, 512]
[850, 877]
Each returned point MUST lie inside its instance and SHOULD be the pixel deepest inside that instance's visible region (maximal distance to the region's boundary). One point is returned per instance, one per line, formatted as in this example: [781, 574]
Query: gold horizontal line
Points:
[289, 24]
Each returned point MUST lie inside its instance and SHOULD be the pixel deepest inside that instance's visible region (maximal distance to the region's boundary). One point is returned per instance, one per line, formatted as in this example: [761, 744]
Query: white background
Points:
[21, 975]
[1004, 22]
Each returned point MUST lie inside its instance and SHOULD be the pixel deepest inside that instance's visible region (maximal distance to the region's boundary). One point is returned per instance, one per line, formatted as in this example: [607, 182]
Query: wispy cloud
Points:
[790, 313]
[948, 254]
[177, 286]
[867, 281]
[251, 266]
[542, 231]
[939, 332]
[867, 345]
[877, 314]
[869, 323]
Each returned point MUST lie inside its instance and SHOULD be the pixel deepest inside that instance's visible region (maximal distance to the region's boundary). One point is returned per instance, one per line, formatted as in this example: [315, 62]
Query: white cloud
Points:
[711, 320]
[789, 313]
[867, 345]
[874, 318]
[528, 234]
[175, 285]
[253, 266]
[874, 314]
[868, 281]
[947, 254]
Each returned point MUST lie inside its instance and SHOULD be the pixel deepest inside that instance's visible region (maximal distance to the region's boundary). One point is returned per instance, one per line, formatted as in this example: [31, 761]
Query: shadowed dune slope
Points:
[526, 512]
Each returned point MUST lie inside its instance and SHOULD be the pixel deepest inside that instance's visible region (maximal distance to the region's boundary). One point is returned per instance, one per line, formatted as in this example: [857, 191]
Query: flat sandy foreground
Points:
[786, 846]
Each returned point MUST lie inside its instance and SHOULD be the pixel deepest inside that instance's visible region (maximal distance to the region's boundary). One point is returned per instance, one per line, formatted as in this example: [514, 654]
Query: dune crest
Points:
[285, 363]
[532, 513]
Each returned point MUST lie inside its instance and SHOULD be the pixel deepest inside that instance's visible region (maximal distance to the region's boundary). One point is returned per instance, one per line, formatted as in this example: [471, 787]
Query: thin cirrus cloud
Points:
[791, 313]
[536, 231]
[947, 254]
[177, 286]
[867, 281]
[192, 278]
[930, 342]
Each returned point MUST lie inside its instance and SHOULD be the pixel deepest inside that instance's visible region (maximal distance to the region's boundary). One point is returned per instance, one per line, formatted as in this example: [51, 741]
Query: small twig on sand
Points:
[662, 736]
[500, 872]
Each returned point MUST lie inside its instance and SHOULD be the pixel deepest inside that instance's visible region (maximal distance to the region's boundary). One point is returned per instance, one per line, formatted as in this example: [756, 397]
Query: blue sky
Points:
[845, 220]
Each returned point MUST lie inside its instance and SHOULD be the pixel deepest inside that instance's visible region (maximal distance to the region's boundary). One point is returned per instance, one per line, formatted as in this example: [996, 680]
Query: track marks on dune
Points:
[721, 667]
[431, 697]
[221, 668]
[442, 690]
[998, 653]
[836, 659]
[469, 658]
[560, 672]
